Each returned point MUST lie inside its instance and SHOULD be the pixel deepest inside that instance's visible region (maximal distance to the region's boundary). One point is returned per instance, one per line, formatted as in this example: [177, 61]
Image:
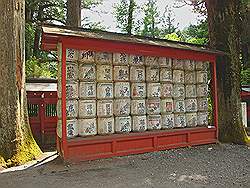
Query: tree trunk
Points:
[17, 144]
[73, 13]
[223, 23]
[130, 16]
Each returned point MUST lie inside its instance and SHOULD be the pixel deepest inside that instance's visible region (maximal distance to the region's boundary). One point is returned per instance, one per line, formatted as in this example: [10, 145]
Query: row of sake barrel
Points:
[108, 73]
[110, 125]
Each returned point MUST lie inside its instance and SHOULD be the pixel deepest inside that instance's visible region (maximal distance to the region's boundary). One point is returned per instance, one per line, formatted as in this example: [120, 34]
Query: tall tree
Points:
[16, 142]
[73, 13]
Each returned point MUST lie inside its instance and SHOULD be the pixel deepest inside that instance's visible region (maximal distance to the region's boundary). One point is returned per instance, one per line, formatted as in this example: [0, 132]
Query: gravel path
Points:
[202, 166]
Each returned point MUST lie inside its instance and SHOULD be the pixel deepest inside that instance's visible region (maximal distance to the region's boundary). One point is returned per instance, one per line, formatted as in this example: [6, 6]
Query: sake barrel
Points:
[87, 108]
[105, 125]
[153, 90]
[71, 71]
[137, 73]
[154, 122]
[179, 91]
[87, 56]
[103, 58]
[104, 90]
[87, 72]
[104, 73]
[167, 121]
[202, 104]
[87, 127]
[138, 90]
[120, 59]
[87, 90]
[201, 65]
[136, 60]
[179, 120]
[71, 54]
[153, 106]
[151, 61]
[179, 106]
[138, 107]
[202, 118]
[190, 77]
[201, 77]
[71, 90]
[191, 119]
[202, 90]
[165, 62]
[152, 74]
[123, 124]
[191, 105]
[139, 123]
[166, 90]
[71, 108]
[121, 73]
[189, 65]
[122, 90]
[178, 76]
[166, 75]
[59, 128]
[71, 128]
[178, 64]
[104, 108]
[167, 105]
[121, 107]
[191, 91]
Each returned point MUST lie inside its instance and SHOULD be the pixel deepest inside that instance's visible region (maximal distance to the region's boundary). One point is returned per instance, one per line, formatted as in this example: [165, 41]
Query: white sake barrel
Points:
[178, 76]
[123, 124]
[179, 106]
[121, 73]
[153, 106]
[179, 120]
[71, 54]
[190, 77]
[166, 90]
[105, 125]
[202, 104]
[87, 72]
[104, 90]
[179, 91]
[191, 105]
[87, 108]
[137, 73]
[153, 90]
[152, 74]
[151, 61]
[191, 91]
[122, 90]
[136, 60]
[202, 118]
[138, 90]
[202, 90]
[104, 108]
[103, 58]
[87, 127]
[189, 65]
[200, 65]
[166, 75]
[87, 56]
[87, 90]
[139, 123]
[120, 59]
[71, 108]
[201, 77]
[191, 119]
[104, 73]
[71, 71]
[71, 90]
[71, 128]
[121, 107]
[138, 107]
[154, 122]
[167, 105]
[167, 121]
[178, 64]
[165, 62]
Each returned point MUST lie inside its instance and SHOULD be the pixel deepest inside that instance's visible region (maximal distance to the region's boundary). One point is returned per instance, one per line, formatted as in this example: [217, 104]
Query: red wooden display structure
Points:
[96, 147]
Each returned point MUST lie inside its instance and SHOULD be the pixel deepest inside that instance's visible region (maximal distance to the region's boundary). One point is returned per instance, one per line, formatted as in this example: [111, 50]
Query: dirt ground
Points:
[202, 166]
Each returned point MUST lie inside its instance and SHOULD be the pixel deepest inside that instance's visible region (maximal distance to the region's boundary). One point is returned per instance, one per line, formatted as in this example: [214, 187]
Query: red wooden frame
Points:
[133, 143]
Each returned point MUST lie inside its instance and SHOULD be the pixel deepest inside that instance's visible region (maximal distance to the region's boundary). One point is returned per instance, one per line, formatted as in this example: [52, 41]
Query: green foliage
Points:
[172, 36]
[245, 76]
